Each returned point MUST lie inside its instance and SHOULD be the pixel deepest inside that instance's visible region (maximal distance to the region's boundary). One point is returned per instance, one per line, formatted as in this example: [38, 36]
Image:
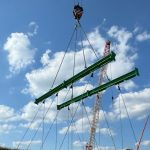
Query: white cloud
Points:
[145, 143]
[106, 131]
[128, 85]
[20, 52]
[40, 80]
[125, 53]
[79, 144]
[7, 114]
[33, 25]
[82, 124]
[137, 103]
[96, 40]
[45, 59]
[34, 126]
[143, 36]
[6, 128]
[25, 143]
[104, 148]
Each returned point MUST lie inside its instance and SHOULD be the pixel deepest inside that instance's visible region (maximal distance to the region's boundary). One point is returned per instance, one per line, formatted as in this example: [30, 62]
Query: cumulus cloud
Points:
[104, 148]
[106, 131]
[138, 103]
[79, 144]
[26, 143]
[125, 55]
[8, 114]
[29, 110]
[6, 128]
[143, 36]
[128, 85]
[146, 143]
[41, 79]
[96, 40]
[20, 51]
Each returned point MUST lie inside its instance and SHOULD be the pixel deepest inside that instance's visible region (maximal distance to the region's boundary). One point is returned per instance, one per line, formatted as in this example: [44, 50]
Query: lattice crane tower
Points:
[96, 109]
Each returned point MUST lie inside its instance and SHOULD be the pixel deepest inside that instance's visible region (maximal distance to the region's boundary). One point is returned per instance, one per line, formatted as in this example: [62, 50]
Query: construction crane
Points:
[96, 110]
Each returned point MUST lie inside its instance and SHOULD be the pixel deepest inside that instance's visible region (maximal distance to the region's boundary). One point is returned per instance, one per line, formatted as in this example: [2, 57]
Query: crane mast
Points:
[96, 108]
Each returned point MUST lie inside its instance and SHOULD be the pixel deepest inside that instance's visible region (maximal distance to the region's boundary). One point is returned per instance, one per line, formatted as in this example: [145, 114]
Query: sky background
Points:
[33, 38]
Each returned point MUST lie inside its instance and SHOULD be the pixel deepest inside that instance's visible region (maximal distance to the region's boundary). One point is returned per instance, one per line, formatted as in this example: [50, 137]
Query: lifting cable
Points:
[68, 125]
[57, 74]
[68, 128]
[64, 56]
[50, 128]
[85, 64]
[75, 128]
[82, 122]
[107, 123]
[43, 123]
[121, 125]
[56, 140]
[71, 122]
[88, 41]
[120, 91]
[139, 143]
[40, 125]
[51, 87]
[55, 120]
[39, 106]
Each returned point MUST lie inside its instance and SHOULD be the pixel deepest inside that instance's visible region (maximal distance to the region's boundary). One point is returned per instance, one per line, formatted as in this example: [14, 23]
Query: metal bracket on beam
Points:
[100, 88]
[92, 68]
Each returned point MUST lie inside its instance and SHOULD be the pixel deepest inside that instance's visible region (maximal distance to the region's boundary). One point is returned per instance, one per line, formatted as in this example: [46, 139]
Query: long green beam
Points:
[100, 88]
[78, 76]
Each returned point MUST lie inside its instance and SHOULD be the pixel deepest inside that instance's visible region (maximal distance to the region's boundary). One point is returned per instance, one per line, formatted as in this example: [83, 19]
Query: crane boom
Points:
[95, 118]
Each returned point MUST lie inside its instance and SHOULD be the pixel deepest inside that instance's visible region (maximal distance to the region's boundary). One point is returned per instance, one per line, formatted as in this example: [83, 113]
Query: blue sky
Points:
[33, 38]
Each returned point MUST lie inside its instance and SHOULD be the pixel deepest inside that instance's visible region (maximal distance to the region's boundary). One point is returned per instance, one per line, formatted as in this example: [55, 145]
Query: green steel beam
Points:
[78, 76]
[100, 88]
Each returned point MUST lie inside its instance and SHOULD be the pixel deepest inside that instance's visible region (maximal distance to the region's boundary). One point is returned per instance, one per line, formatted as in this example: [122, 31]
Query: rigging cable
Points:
[68, 125]
[111, 136]
[73, 115]
[29, 126]
[40, 125]
[121, 125]
[127, 114]
[64, 56]
[89, 41]
[83, 50]
[43, 123]
[56, 140]
[76, 129]
[68, 129]
[138, 145]
[50, 128]
[51, 86]
[56, 117]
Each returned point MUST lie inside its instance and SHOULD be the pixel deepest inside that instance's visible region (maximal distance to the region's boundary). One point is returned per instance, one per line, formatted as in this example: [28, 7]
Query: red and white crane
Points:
[96, 109]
